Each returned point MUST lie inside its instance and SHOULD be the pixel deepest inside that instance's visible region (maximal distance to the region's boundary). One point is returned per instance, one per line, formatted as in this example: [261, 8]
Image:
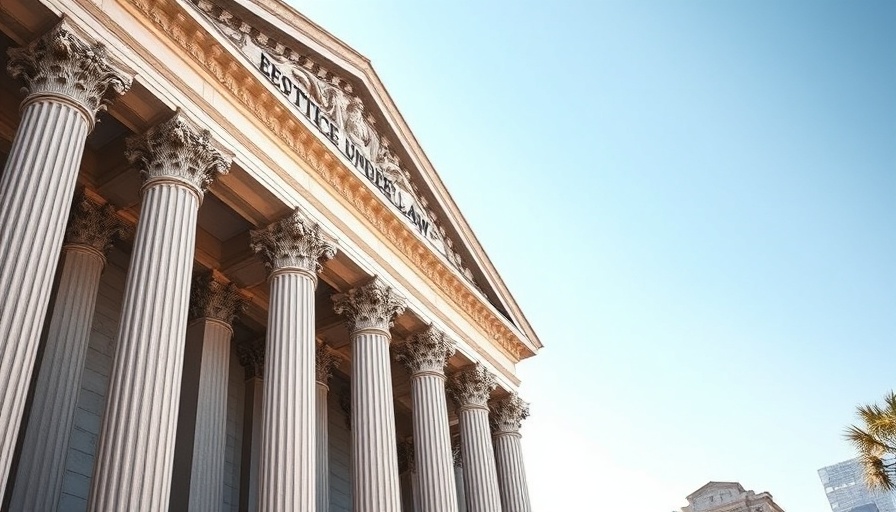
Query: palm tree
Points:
[876, 442]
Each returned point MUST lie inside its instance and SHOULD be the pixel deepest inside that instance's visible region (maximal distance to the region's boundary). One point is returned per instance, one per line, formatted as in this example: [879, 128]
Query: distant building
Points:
[845, 488]
[729, 497]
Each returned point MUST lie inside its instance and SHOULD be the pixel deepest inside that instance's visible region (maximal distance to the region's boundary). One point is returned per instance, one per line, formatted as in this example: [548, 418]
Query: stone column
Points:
[251, 356]
[198, 478]
[370, 310]
[91, 230]
[425, 355]
[136, 448]
[68, 80]
[292, 249]
[327, 359]
[470, 389]
[507, 416]
[407, 477]
[459, 475]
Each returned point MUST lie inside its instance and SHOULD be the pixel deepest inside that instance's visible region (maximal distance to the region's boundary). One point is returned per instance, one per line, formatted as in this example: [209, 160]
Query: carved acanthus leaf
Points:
[426, 351]
[251, 355]
[60, 62]
[177, 149]
[92, 224]
[341, 106]
[371, 306]
[472, 386]
[210, 298]
[456, 452]
[326, 359]
[294, 241]
[507, 414]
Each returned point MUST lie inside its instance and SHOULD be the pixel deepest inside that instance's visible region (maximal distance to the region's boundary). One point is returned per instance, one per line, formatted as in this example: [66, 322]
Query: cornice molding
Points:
[251, 92]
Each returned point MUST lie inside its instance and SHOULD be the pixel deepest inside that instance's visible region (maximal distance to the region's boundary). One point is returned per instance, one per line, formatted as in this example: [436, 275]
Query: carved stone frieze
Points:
[507, 414]
[426, 351]
[295, 241]
[371, 306]
[326, 359]
[251, 355]
[178, 149]
[62, 63]
[92, 224]
[472, 386]
[210, 298]
[341, 107]
[245, 86]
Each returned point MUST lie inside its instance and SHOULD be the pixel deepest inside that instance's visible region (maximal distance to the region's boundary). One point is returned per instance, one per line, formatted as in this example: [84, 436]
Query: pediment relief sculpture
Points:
[330, 102]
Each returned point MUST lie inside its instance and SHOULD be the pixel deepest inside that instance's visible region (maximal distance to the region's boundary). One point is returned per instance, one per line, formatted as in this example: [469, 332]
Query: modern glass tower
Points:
[846, 490]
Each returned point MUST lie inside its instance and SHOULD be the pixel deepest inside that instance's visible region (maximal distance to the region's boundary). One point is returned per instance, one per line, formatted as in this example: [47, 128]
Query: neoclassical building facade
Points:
[233, 280]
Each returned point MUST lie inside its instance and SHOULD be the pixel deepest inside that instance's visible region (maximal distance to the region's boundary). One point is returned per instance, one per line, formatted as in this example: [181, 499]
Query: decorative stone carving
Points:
[92, 224]
[177, 149]
[251, 355]
[327, 359]
[456, 453]
[508, 414]
[426, 351]
[406, 460]
[371, 306]
[209, 298]
[62, 63]
[295, 241]
[244, 84]
[472, 386]
[345, 110]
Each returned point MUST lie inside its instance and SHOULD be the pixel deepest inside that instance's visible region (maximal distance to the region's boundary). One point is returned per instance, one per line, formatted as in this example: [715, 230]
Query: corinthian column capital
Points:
[178, 150]
[508, 414]
[293, 242]
[251, 355]
[326, 359]
[472, 386]
[92, 224]
[62, 64]
[371, 306]
[427, 350]
[210, 298]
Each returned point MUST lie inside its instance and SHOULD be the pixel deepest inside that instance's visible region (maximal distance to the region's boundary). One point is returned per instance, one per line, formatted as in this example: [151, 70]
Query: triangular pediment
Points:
[338, 93]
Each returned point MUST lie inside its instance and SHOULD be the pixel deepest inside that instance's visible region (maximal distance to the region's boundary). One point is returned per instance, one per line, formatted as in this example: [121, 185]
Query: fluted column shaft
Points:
[42, 464]
[507, 417]
[480, 474]
[67, 80]
[136, 447]
[326, 360]
[35, 194]
[323, 453]
[288, 470]
[198, 478]
[251, 356]
[292, 248]
[370, 310]
[210, 438]
[459, 486]
[432, 443]
[511, 472]
[425, 354]
[471, 389]
[374, 462]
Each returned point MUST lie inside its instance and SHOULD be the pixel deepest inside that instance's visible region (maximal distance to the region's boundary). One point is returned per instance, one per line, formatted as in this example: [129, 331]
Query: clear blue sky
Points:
[694, 203]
